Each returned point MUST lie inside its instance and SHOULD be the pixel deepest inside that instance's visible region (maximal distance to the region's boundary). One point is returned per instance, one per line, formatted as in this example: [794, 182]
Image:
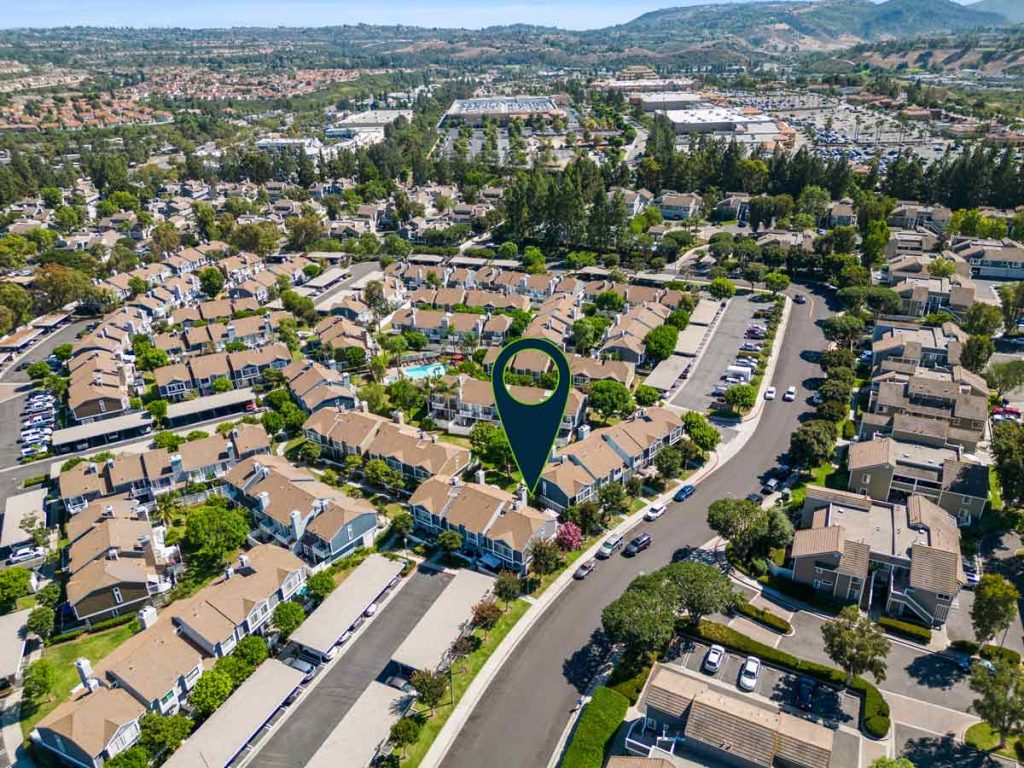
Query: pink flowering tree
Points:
[569, 537]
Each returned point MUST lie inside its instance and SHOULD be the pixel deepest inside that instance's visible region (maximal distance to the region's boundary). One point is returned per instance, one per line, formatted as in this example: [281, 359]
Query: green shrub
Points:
[906, 629]
[875, 714]
[849, 431]
[995, 652]
[964, 646]
[34, 480]
[805, 593]
[65, 637]
[765, 617]
[629, 676]
[597, 726]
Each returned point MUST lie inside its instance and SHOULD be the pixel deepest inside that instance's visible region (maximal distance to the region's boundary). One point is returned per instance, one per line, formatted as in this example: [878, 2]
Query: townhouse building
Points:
[414, 453]
[461, 402]
[891, 470]
[607, 455]
[198, 374]
[996, 259]
[498, 528]
[910, 344]
[851, 547]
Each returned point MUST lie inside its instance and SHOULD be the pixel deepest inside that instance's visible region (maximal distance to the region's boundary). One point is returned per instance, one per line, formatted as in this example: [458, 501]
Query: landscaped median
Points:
[875, 714]
[765, 618]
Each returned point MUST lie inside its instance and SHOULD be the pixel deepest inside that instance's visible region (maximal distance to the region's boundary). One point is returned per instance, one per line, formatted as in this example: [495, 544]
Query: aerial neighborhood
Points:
[261, 503]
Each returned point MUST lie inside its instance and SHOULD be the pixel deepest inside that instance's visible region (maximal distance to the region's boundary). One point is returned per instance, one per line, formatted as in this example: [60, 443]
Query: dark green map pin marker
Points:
[531, 427]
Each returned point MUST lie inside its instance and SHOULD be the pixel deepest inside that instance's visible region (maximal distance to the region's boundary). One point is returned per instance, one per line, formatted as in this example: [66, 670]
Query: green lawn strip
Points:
[92, 647]
[995, 496]
[464, 673]
[596, 728]
[982, 737]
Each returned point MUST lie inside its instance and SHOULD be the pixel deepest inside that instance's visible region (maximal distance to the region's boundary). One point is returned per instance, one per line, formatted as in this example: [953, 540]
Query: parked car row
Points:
[38, 420]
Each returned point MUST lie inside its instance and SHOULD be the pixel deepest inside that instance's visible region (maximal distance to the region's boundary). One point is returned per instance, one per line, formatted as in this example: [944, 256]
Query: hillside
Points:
[1012, 10]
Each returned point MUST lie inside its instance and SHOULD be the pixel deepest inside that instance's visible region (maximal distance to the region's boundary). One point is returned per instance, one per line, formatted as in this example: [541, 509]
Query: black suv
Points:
[637, 545]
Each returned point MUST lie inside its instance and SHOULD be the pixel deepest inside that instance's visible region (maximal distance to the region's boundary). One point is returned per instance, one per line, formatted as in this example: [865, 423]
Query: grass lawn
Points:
[459, 440]
[28, 601]
[981, 736]
[92, 647]
[995, 496]
[464, 674]
[635, 504]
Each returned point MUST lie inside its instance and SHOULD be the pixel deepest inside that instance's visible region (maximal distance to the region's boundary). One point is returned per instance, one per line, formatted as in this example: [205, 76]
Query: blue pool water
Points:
[423, 371]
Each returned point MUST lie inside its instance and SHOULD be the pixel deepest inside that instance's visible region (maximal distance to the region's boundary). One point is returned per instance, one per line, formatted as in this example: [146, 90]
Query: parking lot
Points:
[719, 354]
[298, 738]
[831, 707]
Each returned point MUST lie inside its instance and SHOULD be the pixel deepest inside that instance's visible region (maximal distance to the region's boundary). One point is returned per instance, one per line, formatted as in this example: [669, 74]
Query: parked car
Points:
[790, 395]
[748, 673]
[806, 689]
[684, 493]
[655, 511]
[800, 299]
[399, 682]
[371, 609]
[611, 544]
[757, 498]
[585, 570]
[713, 659]
[25, 554]
[771, 485]
[308, 669]
[637, 545]
[769, 394]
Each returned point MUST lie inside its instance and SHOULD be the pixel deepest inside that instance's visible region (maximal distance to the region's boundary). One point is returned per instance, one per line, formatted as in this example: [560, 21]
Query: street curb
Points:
[453, 726]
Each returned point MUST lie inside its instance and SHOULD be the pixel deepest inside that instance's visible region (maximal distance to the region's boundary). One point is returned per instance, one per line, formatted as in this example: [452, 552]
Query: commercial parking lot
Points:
[719, 354]
[831, 707]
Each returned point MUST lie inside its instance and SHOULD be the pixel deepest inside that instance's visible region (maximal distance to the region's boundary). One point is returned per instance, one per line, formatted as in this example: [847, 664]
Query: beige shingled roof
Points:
[152, 661]
[817, 541]
[90, 720]
[732, 725]
[869, 453]
[934, 570]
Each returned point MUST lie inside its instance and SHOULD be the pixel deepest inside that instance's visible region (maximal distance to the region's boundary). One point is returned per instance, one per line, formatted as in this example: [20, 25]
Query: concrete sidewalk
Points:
[446, 737]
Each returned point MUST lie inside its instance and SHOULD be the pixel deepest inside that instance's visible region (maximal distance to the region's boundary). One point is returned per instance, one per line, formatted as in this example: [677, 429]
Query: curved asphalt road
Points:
[519, 720]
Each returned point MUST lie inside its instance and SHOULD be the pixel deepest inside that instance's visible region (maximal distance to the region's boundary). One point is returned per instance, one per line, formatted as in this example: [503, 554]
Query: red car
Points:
[250, 406]
[1006, 410]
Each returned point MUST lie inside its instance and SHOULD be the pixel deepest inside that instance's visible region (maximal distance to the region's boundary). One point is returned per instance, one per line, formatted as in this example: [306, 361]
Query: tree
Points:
[14, 584]
[609, 301]
[320, 585]
[1000, 701]
[700, 431]
[40, 622]
[431, 685]
[303, 231]
[506, 587]
[856, 644]
[646, 395]
[450, 541]
[642, 620]
[750, 529]
[891, 762]
[252, 649]
[405, 732]
[237, 668]
[612, 499]
[569, 536]
[39, 679]
[702, 589]
[213, 688]
[812, 443]
[668, 462]
[211, 281]
[995, 606]
[976, 352]
[163, 239]
[489, 443]
[402, 525]
[222, 385]
[740, 397]
[213, 532]
[133, 757]
[721, 288]
[59, 285]
[843, 329]
[163, 733]
[486, 614]
[660, 342]
[545, 556]
[375, 298]
[1008, 448]
[1004, 377]
[776, 282]
[609, 397]
[942, 267]
[287, 618]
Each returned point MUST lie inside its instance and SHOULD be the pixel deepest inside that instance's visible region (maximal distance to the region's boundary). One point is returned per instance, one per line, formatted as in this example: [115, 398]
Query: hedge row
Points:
[630, 675]
[597, 726]
[99, 626]
[804, 593]
[765, 617]
[964, 646]
[875, 714]
[995, 652]
[906, 629]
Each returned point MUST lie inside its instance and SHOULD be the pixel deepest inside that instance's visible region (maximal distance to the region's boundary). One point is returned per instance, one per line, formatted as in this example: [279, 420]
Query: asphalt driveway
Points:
[295, 742]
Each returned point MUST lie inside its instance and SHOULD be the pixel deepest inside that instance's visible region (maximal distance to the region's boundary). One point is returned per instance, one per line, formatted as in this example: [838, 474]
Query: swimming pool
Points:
[423, 371]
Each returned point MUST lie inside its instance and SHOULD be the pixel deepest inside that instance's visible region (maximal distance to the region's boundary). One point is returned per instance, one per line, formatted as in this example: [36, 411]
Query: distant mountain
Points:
[827, 21]
[1013, 10]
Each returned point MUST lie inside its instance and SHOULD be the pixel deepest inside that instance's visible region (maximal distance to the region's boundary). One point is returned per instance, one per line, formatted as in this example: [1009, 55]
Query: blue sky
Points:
[568, 14]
